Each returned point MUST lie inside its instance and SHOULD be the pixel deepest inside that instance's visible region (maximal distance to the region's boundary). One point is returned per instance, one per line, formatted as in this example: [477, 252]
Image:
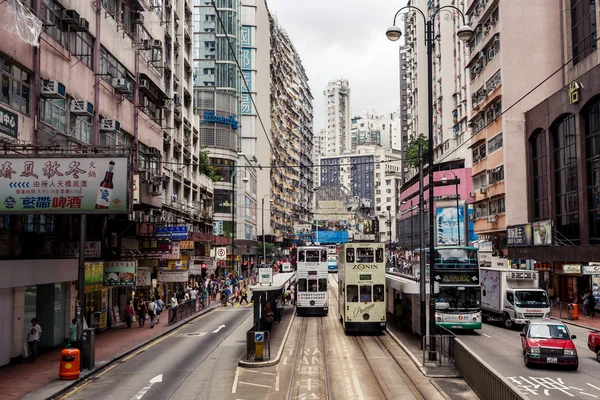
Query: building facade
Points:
[375, 129]
[292, 181]
[337, 117]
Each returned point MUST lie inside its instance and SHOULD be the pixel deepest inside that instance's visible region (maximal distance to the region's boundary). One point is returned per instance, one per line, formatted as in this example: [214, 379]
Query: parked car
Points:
[548, 342]
[594, 343]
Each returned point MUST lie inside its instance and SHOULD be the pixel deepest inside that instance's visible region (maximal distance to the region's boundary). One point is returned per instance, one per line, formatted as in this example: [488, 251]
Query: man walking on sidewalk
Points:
[152, 311]
[173, 310]
[33, 338]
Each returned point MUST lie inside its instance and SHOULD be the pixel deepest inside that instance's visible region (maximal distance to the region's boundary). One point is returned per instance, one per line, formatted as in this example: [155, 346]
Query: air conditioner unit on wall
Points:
[81, 107]
[138, 19]
[144, 84]
[122, 86]
[483, 190]
[492, 218]
[53, 89]
[110, 125]
[70, 17]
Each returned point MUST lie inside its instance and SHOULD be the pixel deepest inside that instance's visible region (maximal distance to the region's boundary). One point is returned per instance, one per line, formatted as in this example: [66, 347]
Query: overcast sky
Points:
[345, 39]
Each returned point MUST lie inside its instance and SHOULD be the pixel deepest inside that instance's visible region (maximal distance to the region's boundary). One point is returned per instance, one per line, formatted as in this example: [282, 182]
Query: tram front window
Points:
[365, 293]
[458, 298]
[312, 285]
[365, 255]
[313, 256]
[378, 293]
[302, 285]
[322, 285]
[352, 294]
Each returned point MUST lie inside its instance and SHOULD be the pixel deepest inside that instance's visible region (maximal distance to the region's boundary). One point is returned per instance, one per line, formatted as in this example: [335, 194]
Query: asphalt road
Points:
[196, 361]
[501, 348]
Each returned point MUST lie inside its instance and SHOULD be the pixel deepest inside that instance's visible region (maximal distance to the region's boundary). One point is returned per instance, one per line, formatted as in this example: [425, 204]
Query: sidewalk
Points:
[21, 380]
[561, 312]
[279, 334]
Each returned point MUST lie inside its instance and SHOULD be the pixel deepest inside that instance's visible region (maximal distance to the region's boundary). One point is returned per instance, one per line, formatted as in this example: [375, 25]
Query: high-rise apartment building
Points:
[292, 181]
[375, 129]
[496, 111]
[337, 117]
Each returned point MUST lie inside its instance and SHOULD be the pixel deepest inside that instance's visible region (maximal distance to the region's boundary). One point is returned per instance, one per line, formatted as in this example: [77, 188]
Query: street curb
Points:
[84, 377]
[566, 321]
[416, 361]
[270, 363]
[439, 389]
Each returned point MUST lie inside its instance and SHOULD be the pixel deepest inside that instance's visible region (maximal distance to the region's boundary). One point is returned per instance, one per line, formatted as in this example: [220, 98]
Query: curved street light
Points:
[464, 33]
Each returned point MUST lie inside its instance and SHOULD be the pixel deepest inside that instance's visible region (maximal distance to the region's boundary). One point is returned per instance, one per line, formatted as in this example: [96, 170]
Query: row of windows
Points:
[15, 86]
[491, 207]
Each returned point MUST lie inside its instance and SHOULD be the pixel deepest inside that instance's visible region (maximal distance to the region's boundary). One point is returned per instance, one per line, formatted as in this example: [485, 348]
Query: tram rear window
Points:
[365, 255]
[352, 293]
[378, 292]
[313, 256]
[365, 293]
[364, 277]
[312, 285]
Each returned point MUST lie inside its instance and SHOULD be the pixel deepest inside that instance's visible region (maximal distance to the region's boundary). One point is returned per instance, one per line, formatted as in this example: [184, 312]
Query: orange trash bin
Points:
[573, 311]
[70, 364]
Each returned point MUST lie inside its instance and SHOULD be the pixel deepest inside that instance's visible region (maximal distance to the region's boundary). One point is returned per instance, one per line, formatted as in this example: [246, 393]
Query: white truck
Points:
[512, 295]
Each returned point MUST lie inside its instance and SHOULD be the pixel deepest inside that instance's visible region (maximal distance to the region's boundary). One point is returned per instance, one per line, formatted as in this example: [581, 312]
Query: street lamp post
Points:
[412, 245]
[444, 180]
[263, 227]
[464, 33]
[245, 180]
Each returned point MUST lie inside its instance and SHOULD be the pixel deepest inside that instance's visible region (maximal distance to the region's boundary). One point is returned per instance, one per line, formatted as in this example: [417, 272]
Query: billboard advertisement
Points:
[542, 233]
[519, 235]
[451, 226]
[65, 185]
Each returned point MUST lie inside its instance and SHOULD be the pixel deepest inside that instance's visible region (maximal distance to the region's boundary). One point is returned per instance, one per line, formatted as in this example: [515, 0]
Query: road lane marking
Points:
[235, 380]
[76, 389]
[254, 384]
[219, 328]
[141, 393]
[595, 387]
[277, 380]
[486, 335]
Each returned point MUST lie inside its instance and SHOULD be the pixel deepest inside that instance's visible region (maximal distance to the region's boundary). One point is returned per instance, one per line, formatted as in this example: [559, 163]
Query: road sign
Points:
[221, 253]
[265, 275]
[259, 337]
[177, 232]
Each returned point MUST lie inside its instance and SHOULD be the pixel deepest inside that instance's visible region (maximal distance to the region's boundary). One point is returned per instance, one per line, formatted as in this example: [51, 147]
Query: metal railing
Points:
[442, 345]
[483, 379]
[184, 310]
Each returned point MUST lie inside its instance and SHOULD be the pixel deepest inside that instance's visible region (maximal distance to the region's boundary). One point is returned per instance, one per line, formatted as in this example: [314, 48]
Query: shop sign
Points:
[542, 267]
[571, 268]
[172, 276]
[485, 256]
[9, 123]
[119, 273]
[174, 254]
[93, 276]
[142, 277]
[186, 245]
[71, 249]
[519, 235]
[65, 185]
[210, 116]
[574, 92]
[136, 189]
[542, 233]
[592, 269]
[178, 265]
[265, 275]
[302, 229]
[499, 262]
[177, 232]
[155, 244]
[443, 277]
[153, 263]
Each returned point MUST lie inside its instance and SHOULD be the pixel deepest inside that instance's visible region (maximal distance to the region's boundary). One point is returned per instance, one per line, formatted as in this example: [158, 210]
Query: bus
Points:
[361, 287]
[458, 302]
[332, 263]
[311, 272]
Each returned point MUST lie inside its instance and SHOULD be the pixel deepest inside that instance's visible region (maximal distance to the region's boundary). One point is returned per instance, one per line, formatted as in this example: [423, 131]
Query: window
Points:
[312, 285]
[565, 178]
[302, 285]
[81, 45]
[539, 159]
[53, 113]
[323, 285]
[15, 86]
[312, 256]
[592, 151]
[349, 255]
[497, 206]
[365, 255]
[481, 210]
[496, 175]
[378, 293]
[495, 143]
[365, 293]
[39, 223]
[379, 255]
[53, 13]
[80, 128]
[583, 28]
[352, 294]
[479, 181]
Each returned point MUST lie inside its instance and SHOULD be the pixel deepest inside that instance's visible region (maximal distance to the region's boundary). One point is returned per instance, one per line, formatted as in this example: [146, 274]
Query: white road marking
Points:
[254, 384]
[486, 335]
[141, 393]
[235, 380]
[284, 360]
[219, 328]
[595, 387]
[277, 381]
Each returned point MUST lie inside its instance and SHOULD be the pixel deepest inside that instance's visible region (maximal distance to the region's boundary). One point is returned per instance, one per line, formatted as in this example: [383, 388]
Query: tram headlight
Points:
[366, 316]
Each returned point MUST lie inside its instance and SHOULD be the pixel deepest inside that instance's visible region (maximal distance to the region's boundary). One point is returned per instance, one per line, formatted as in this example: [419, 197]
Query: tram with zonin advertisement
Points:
[311, 271]
[361, 287]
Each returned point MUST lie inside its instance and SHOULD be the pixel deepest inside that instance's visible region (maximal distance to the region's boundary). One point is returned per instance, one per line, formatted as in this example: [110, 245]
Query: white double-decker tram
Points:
[311, 271]
[361, 286]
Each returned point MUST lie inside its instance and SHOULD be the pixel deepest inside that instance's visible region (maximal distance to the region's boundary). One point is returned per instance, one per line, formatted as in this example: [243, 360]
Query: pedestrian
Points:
[129, 313]
[73, 331]
[278, 309]
[174, 306]
[237, 294]
[193, 297]
[586, 303]
[398, 309]
[268, 316]
[152, 311]
[244, 295]
[159, 307]
[592, 305]
[142, 311]
[34, 335]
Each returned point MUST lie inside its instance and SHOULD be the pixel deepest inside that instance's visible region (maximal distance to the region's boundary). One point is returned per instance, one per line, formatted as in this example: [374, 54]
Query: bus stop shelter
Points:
[261, 293]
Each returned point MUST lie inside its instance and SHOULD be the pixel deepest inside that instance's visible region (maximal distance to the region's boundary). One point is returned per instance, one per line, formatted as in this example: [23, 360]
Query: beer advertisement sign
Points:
[65, 185]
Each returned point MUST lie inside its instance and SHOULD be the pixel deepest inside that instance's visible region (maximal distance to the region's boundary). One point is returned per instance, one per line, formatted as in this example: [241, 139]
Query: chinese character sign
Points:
[119, 273]
[519, 235]
[9, 123]
[68, 185]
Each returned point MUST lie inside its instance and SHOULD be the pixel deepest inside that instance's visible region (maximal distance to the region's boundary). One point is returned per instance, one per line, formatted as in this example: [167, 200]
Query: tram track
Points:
[310, 370]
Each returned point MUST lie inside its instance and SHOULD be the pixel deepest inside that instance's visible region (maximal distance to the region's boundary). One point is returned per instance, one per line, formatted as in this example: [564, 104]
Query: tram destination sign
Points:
[446, 277]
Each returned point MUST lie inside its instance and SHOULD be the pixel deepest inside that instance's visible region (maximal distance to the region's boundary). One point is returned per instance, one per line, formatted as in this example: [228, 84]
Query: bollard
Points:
[259, 338]
[573, 311]
[70, 361]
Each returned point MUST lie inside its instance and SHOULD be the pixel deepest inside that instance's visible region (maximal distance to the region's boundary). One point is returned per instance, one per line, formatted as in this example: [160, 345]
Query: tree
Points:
[412, 154]
[205, 167]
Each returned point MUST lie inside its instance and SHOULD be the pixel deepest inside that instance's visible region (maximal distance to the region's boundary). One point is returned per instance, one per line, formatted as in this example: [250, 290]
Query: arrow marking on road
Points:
[141, 393]
[219, 328]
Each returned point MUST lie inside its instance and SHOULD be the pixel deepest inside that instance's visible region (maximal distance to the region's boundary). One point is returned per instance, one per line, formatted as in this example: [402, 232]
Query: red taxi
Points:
[548, 342]
[594, 343]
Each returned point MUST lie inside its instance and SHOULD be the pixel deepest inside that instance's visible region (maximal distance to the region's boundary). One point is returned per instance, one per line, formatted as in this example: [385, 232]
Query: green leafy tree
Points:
[205, 167]
[270, 247]
[412, 154]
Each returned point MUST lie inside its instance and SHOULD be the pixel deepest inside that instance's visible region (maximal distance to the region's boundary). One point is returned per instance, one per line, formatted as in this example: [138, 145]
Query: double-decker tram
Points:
[332, 258]
[311, 271]
[361, 287]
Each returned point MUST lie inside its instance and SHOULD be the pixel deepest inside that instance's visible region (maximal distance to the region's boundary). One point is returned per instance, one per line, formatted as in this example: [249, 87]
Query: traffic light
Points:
[203, 271]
